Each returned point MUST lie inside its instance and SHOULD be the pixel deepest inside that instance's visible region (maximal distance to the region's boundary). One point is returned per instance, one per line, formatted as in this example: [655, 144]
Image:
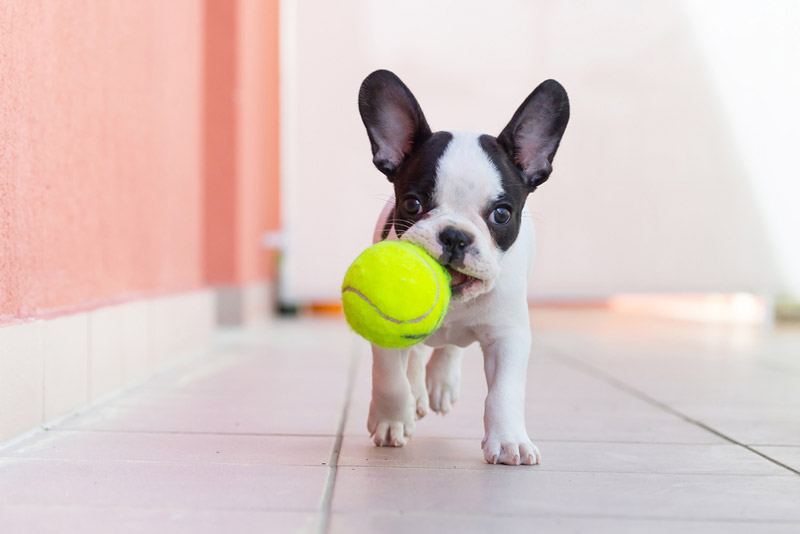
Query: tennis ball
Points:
[395, 295]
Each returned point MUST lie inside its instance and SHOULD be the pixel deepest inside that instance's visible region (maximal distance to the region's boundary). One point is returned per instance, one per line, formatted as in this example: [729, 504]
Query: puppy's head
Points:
[460, 196]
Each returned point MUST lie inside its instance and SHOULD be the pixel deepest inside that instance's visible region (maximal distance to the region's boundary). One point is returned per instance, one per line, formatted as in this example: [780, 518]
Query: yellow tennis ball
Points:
[395, 295]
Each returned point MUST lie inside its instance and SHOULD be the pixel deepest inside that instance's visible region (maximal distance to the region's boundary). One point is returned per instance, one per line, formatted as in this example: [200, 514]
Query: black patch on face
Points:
[515, 192]
[416, 178]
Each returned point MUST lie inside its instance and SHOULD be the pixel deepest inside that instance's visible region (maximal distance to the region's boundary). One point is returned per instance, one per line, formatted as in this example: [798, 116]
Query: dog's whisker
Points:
[402, 224]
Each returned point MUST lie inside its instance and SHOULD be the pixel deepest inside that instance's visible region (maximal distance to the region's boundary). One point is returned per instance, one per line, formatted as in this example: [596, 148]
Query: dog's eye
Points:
[500, 215]
[412, 205]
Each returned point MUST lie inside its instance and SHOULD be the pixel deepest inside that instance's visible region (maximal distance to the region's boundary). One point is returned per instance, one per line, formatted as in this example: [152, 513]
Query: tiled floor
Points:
[645, 425]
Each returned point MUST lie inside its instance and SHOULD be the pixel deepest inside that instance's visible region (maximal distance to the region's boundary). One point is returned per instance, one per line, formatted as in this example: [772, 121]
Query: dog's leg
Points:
[443, 378]
[506, 440]
[416, 378]
[391, 412]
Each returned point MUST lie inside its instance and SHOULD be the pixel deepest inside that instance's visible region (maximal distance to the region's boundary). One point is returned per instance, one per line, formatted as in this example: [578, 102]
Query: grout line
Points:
[592, 516]
[26, 457]
[502, 470]
[598, 373]
[172, 510]
[709, 443]
[333, 462]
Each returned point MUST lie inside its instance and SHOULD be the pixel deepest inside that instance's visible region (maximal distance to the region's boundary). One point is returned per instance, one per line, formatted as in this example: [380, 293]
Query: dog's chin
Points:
[465, 287]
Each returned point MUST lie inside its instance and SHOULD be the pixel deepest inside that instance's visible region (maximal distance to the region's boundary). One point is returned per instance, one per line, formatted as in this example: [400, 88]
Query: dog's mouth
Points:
[460, 281]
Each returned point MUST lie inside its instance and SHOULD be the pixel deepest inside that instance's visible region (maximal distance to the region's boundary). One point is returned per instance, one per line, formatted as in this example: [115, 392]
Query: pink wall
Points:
[259, 144]
[241, 77]
[221, 248]
[103, 178]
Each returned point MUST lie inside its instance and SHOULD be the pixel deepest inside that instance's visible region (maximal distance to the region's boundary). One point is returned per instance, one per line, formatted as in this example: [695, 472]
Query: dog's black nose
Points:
[455, 242]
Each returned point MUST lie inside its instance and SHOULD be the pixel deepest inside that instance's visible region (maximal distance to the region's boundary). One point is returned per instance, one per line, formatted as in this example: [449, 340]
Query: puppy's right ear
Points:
[534, 133]
[394, 121]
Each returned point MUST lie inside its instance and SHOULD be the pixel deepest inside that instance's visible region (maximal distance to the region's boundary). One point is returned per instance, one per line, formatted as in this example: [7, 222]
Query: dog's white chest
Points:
[457, 335]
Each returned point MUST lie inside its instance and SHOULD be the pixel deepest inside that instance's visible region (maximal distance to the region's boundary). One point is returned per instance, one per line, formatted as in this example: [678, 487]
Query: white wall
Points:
[652, 189]
[751, 51]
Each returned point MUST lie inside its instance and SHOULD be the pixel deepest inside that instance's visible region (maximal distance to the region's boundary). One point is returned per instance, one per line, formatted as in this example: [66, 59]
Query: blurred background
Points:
[676, 173]
[166, 167]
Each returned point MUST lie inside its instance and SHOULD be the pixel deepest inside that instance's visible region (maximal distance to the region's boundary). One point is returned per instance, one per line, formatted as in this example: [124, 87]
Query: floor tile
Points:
[566, 456]
[129, 520]
[279, 414]
[652, 427]
[240, 391]
[527, 491]
[401, 523]
[140, 484]
[787, 455]
[194, 448]
[563, 404]
[749, 423]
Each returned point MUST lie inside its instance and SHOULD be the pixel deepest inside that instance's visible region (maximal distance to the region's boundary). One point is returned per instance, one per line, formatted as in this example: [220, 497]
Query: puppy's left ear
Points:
[394, 121]
[532, 136]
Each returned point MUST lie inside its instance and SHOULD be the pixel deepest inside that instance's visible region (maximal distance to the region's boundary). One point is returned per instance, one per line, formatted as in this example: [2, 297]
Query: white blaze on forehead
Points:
[466, 183]
[466, 179]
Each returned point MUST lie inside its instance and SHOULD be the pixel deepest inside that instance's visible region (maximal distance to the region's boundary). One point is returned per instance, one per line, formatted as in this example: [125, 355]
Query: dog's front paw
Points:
[510, 450]
[417, 382]
[443, 382]
[391, 425]
[421, 400]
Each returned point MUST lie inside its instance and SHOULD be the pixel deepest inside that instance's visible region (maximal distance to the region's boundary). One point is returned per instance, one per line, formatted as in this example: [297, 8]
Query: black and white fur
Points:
[461, 196]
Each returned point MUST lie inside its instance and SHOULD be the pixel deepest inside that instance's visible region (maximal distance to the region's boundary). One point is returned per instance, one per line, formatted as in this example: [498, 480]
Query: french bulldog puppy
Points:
[461, 197]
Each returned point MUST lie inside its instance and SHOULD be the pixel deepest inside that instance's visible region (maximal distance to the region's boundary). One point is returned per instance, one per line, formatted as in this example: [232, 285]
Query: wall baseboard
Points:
[240, 305]
[52, 367]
